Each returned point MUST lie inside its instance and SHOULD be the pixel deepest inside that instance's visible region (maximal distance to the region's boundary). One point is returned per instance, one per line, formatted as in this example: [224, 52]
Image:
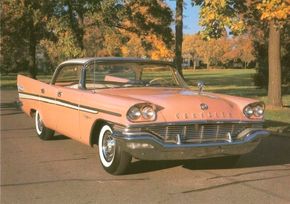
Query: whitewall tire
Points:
[43, 132]
[113, 159]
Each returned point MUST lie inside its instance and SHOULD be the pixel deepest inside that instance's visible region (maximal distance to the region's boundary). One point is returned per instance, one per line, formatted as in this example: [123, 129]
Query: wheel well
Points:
[32, 112]
[96, 128]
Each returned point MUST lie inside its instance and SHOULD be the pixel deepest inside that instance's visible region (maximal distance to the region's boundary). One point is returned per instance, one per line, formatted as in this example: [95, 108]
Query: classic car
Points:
[140, 108]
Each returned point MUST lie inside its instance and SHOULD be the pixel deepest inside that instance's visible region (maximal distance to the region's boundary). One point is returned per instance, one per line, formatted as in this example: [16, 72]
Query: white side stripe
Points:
[38, 98]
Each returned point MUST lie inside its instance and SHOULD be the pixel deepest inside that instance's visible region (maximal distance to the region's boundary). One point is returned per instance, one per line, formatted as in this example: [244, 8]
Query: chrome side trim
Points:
[23, 95]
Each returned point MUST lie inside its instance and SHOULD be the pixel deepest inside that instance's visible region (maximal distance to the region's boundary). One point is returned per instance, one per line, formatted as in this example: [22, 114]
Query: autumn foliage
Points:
[219, 51]
[59, 30]
[238, 16]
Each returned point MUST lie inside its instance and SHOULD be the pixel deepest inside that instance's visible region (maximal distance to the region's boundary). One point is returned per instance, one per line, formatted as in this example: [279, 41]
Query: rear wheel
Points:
[43, 132]
[113, 159]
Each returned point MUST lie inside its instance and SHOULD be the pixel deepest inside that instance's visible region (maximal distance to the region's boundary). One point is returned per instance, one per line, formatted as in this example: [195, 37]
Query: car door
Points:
[47, 108]
[67, 100]
[38, 96]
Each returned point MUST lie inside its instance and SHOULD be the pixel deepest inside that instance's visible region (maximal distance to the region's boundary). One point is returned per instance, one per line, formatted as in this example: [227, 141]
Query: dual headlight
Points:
[254, 109]
[142, 112]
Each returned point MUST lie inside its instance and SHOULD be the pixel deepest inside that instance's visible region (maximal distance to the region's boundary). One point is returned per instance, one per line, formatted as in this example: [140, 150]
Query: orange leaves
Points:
[218, 50]
[135, 47]
[159, 51]
[274, 9]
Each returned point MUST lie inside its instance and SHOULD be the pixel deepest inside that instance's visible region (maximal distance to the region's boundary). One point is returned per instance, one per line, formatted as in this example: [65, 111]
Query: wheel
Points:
[43, 132]
[113, 159]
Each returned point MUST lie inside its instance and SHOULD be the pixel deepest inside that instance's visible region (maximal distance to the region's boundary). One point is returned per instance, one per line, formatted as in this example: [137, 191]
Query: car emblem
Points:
[203, 106]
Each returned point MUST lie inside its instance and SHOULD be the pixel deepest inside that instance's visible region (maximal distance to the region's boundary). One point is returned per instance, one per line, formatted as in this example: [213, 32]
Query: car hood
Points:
[178, 104]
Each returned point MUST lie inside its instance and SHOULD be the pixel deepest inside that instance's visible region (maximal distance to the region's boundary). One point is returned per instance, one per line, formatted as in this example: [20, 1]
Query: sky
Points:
[190, 16]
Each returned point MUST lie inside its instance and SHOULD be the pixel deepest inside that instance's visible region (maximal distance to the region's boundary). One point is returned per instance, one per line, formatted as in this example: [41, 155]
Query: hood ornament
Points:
[200, 85]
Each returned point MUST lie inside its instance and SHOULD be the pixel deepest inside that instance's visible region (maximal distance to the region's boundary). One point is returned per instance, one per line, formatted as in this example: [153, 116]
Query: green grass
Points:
[228, 81]
[9, 81]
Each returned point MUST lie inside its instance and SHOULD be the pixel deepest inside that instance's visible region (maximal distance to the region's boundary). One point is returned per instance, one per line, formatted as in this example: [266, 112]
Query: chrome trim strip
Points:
[181, 123]
[64, 103]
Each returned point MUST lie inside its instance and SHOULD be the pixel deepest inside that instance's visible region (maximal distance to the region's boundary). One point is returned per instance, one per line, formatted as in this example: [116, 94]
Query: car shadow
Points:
[273, 150]
[283, 127]
[59, 137]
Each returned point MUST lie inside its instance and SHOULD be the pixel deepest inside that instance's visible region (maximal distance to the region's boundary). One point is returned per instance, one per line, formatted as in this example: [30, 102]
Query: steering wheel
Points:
[160, 79]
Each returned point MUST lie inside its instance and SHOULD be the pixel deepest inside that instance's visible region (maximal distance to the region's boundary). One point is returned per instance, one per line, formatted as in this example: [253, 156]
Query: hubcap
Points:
[108, 146]
[39, 123]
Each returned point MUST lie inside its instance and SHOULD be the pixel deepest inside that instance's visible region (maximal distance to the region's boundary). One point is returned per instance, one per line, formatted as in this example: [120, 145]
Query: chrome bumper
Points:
[147, 147]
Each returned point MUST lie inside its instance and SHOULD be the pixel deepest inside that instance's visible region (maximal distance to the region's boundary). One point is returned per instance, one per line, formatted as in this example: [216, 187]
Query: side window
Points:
[69, 76]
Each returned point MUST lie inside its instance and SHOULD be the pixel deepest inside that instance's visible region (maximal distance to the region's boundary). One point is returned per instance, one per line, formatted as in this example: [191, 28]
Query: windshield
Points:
[131, 75]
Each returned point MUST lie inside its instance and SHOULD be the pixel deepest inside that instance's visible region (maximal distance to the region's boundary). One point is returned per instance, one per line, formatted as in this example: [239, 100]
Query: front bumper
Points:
[147, 147]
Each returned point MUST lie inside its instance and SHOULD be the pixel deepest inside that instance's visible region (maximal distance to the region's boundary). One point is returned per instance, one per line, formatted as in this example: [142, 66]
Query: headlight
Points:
[142, 112]
[148, 113]
[134, 113]
[248, 111]
[254, 109]
[258, 111]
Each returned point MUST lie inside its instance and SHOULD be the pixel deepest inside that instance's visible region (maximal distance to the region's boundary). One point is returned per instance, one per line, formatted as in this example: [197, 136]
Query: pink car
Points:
[140, 108]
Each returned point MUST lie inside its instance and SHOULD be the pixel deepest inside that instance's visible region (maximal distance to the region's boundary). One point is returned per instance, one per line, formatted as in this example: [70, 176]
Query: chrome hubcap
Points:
[39, 123]
[108, 146]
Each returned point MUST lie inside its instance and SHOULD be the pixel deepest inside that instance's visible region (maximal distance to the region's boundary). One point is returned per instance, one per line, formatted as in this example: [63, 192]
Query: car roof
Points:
[85, 61]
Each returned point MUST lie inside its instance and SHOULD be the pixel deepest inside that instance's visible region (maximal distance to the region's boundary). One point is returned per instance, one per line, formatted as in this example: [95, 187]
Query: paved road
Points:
[65, 171]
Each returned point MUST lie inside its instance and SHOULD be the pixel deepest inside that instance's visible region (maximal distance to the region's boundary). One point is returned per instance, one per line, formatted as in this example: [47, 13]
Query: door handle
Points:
[42, 90]
[59, 93]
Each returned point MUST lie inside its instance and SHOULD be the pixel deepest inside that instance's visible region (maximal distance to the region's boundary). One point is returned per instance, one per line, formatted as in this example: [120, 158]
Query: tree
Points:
[113, 28]
[64, 47]
[246, 47]
[215, 51]
[77, 28]
[238, 48]
[146, 29]
[189, 47]
[218, 14]
[24, 22]
[178, 35]
[274, 12]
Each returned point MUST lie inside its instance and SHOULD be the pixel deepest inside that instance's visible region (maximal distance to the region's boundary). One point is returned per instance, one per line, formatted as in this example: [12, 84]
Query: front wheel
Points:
[113, 159]
[43, 132]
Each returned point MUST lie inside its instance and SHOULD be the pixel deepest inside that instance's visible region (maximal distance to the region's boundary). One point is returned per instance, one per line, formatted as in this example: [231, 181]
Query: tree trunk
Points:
[274, 88]
[32, 54]
[207, 64]
[76, 26]
[178, 35]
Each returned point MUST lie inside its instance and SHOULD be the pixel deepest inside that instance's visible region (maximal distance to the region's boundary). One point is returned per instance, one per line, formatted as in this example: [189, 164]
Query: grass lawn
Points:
[9, 81]
[228, 81]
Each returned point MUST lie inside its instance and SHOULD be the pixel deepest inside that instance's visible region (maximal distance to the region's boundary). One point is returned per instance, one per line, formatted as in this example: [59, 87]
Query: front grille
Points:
[200, 133]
